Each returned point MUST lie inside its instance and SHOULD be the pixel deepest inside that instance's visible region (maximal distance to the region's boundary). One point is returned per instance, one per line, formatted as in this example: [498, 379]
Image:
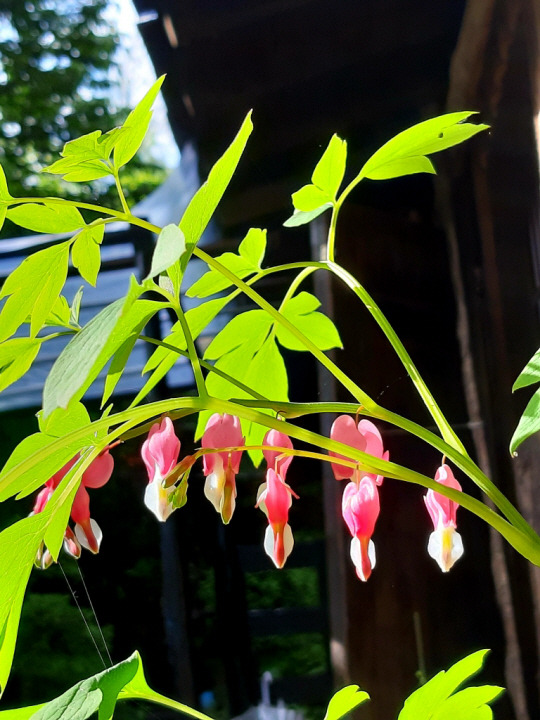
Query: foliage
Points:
[439, 699]
[242, 377]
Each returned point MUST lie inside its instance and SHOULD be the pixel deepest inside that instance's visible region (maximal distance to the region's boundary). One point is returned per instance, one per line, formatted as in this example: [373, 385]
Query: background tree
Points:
[56, 63]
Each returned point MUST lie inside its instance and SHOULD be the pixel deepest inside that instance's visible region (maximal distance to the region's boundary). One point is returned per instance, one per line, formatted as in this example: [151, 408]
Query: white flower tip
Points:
[270, 545]
[363, 569]
[213, 489]
[96, 536]
[157, 499]
[445, 546]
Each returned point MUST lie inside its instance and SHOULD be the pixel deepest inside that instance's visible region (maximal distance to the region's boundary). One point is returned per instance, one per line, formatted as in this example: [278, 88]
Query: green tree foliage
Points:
[56, 58]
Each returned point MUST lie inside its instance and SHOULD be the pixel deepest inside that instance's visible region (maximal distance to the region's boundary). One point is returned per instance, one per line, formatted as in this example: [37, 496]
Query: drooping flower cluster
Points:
[221, 449]
[87, 532]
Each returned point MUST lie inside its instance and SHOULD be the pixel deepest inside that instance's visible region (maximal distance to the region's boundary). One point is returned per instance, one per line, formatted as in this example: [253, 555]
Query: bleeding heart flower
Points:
[220, 468]
[445, 544]
[364, 437]
[360, 509]
[160, 453]
[87, 531]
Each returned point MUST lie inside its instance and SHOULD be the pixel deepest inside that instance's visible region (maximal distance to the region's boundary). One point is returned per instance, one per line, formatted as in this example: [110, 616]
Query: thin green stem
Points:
[351, 386]
[206, 366]
[442, 423]
[293, 287]
[120, 190]
[192, 350]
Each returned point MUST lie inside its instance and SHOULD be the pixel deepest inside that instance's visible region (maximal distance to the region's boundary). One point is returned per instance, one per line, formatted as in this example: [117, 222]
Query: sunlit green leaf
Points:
[213, 281]
[299, 217]
[4, 192]
[201, 208]
[435, 699]
[33, 288]
[170, 247]
[136, 126]
[329, 171]
[402, 166]
[310, 198]
[300, 311]
[60, 313]
[529, 422]
[253, 247]
[252, 326]
[344, 701]
[47, 217]
[75, 307]
[86, 354]
[530, 373]
[16, 358]
[425, 138]
[85, 253]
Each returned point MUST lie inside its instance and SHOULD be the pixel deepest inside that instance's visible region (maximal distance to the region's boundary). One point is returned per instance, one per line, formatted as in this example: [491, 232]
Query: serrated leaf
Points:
[16, 358]
[529, 422]
[530, 373]
[344, 701]
[253, 247]
[329, 171]
[86, 254]
[300, 311]
[47, 217]
[310, 198]
[425, 702]
[86, 354]
[170, 247]
[213, 281]
[425, 138]
[33, 288]
[136, 126]
[250, 327]
[299, 217]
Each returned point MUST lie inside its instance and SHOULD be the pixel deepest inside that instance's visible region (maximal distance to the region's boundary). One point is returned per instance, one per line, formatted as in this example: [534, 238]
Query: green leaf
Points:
[83, 159]
[530, 373]
[299, 217]
[329, 171]
[300, 311]
[100, 693]
[403, 166]
[310, 198]
[213, 281]
[170, 247]
[434, 700]
[163, 359]
[86, 354]
[260, 368]
[344, 701]
[47, 217]
[3, 213]
[118, 364]
[4, 192]
[63, 421]
[529, 422]
[253, 247]
[75, 308]
[201, 208]
[250, 327]
[60, 313]
[16, 358]
[422, 139]
[19, 544]
[85, 253]
[33, 289]
[136, 127]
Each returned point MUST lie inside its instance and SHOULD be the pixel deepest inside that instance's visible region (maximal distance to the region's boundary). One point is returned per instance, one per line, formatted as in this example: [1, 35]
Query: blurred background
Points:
[453, 261]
